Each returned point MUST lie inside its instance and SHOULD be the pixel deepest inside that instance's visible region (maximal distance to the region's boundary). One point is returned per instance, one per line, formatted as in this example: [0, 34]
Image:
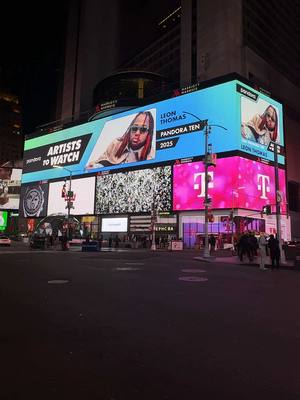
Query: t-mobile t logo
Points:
[263, 182]
[200, 177]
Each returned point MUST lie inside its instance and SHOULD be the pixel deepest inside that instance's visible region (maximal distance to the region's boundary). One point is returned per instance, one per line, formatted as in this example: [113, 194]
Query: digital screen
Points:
[114, 224]
[82, 198]
[261, 123]
[10, 187]
[34, 200]
[235, 182]
[134, 191]
[161, 132]
[3, 220]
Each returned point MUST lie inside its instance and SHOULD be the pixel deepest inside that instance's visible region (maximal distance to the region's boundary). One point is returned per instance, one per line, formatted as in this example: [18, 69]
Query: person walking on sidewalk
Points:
[212, 243]
[273, 245]
[244, 247]
[262, 243]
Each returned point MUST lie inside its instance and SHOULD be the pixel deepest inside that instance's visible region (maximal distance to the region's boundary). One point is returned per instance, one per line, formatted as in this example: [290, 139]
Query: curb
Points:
[287, 266]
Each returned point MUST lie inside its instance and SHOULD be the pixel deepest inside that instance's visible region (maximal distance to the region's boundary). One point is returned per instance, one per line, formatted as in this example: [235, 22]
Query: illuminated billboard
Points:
[161, 132]
[10, 186]
[134, 191]
[34, 200]
[235, 182]
[261, 123]
[114, 224]
[3, 220]
[82, 198]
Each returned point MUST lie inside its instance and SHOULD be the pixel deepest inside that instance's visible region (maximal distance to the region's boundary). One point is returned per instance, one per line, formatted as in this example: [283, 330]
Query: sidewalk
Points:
[234, 260]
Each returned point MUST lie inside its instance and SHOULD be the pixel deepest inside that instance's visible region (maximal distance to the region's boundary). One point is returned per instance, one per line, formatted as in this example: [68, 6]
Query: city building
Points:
[196, 44]
[11, 139]
[141, 172]
[11, 150]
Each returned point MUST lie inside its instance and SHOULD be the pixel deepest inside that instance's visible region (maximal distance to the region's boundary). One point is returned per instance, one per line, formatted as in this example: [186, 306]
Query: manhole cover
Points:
[58, 281]
[127, 269]
[193, 270]
[192, 279]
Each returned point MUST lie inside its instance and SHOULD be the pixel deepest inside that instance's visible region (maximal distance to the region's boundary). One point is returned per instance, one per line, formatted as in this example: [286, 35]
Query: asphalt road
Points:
[141, 325]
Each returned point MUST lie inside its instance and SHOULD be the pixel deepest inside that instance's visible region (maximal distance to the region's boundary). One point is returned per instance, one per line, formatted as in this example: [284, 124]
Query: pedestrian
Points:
[253, 246]
[117, 241]
[212, 243]
[64, 242]
[244, 248]
[273, 245]
[110, 239]
[51, 240]
[100, 242]
[262, 243]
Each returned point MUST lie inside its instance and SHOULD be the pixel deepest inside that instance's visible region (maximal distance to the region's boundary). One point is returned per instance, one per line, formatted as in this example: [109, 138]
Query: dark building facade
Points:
[196, 41]
[11, 139]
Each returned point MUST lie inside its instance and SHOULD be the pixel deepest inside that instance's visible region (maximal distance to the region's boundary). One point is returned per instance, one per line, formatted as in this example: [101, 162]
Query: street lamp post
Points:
[277, 194]
[153, 220]
[206, 247]
[69, 206]
[154, 214]
[234, 192]
[207, 131]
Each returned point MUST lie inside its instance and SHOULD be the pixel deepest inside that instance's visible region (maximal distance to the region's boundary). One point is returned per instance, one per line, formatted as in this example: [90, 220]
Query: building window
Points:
[294, 196]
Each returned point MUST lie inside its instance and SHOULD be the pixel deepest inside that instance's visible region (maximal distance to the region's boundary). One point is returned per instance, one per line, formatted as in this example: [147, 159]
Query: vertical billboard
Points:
[261, 123]
[235, 182]
[10, 187]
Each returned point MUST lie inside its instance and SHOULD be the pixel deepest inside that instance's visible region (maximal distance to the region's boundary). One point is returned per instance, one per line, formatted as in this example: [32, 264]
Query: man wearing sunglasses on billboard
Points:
[135, 145]
[262, 128]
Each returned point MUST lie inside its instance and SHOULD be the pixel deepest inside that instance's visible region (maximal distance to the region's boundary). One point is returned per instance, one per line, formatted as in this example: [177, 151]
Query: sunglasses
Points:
[271, 116]
[142, 129]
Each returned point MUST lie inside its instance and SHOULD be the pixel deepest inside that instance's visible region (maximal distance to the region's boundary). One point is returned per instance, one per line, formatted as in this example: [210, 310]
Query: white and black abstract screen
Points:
[134, 191]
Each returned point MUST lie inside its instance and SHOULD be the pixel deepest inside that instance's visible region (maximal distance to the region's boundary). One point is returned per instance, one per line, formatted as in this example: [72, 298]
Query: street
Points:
[146, 325]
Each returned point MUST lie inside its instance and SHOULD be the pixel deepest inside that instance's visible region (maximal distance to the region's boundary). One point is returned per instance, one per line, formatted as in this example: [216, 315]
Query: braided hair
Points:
[126, 137]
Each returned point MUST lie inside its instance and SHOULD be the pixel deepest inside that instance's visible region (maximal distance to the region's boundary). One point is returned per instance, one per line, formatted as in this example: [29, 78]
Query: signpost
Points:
[277, 149]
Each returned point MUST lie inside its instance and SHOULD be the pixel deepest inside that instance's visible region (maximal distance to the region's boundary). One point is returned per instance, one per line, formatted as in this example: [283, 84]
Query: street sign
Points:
[207, 201]
[273, 145]
[279, 196]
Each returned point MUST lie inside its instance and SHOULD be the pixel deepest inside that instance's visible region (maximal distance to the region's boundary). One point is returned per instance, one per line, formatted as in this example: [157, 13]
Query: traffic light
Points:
[267, 209]
[210, 218]
[64, 191]
[207, 201]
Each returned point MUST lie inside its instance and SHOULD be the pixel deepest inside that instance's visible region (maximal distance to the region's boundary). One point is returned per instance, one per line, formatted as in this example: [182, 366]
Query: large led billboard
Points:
[261, 123]
[235, 182]
[82, 199]
[164, 131]
[10, 186]
[134, 191]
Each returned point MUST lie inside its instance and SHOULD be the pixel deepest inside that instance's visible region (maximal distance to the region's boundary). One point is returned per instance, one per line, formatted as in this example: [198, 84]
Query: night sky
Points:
[33, 42]
[31, 51]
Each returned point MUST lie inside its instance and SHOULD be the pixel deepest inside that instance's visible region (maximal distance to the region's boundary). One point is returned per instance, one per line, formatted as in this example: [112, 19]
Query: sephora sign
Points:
[235, 182]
